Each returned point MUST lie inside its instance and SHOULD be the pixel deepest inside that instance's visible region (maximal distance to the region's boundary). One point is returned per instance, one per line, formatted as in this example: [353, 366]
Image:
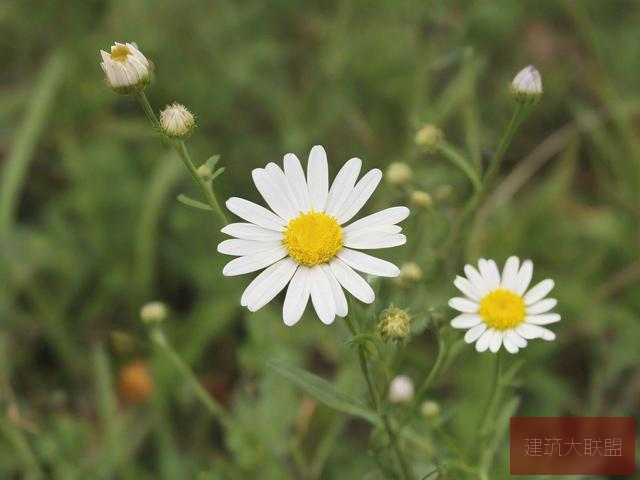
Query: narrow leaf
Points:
[192, 203]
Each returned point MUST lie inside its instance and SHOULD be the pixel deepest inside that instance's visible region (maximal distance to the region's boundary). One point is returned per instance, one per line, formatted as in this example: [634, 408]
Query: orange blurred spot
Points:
[134, 383]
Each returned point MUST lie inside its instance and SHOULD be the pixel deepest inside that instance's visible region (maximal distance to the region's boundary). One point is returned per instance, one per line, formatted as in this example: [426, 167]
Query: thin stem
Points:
[487, 417]
[459, 161]
[180, 147]
[162, 344]
[367, 373]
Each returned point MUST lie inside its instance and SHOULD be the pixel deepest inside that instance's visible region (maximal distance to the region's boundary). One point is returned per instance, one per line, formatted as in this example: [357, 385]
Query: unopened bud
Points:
[421, 199]
[176, 121]
[134, 383]
[428, 136]
[401, 389]
[204, 172]
[398, 173]
[410, 272]
[526, 87]
[430, 409]
[394, 324]
[153, 312]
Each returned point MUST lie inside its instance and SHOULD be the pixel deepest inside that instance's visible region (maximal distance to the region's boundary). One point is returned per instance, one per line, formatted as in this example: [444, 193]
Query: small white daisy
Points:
[304, 243]
[498, 309]
[126, 68]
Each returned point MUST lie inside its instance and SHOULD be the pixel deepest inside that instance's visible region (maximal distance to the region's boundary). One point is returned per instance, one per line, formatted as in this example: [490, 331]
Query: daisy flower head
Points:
[500, 309]
[303, 241]
[126, 68]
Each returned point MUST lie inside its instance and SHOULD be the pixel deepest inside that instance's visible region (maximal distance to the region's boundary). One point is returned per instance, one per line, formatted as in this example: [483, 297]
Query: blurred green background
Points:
[90, 229]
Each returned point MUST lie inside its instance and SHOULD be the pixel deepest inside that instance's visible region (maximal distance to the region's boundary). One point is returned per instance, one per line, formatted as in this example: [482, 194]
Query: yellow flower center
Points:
[120, 53]
[313, 238]
[502, 309]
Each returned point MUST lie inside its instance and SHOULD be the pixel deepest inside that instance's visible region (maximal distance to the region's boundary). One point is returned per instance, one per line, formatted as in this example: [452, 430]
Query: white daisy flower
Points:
[498, 309]
[126, 68]
[303, 241]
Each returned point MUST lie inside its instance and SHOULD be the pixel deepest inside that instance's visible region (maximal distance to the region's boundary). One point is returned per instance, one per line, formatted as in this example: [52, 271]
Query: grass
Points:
[90, 228]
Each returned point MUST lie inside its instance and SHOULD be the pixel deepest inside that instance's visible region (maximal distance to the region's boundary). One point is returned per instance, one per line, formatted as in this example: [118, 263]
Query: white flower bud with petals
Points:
[526, 87]
[126, 68]
[401, 389]
[176, 121]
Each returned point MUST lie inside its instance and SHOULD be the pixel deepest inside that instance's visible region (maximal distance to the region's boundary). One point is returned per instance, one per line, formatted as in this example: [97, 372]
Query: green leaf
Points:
[190, 202]
[324, 391]
[211, 162]
[217, 173]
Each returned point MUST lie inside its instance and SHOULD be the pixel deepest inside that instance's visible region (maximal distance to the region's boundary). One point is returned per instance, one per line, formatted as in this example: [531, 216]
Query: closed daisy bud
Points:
[394, 324]
[526, 87]
[398, 173]
[430, 409]
[428, 136]
[401, 389]
[134, 383]
[153, 312]
[176, 121]
[410, 272]
[127, 70]
[204, 171]
[421, 199]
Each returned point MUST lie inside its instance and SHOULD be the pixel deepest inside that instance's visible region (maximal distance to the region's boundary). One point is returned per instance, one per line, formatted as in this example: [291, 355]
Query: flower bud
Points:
[398, 173]
[394, 324]
[430, 409]
[421, 199]
[126, 68]
[410, 272]
[134, 384]
[428, 136]
[153, 312]
[176, 121]
[526, 87]
[204, 172]
[401, 389]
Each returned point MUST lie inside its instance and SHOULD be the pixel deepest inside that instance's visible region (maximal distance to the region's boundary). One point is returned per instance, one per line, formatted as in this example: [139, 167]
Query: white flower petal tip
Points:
[126, 69]
[526, 86]
[498, 309]
[301, 240]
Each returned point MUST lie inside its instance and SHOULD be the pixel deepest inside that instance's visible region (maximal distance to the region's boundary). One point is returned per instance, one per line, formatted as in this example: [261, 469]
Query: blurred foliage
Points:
[95, 230]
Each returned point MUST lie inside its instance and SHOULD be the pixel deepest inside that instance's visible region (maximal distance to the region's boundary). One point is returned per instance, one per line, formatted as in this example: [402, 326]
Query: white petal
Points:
[297, 296]
[368, 264]
[523, 278]
[352, 281]
[538, 292]
[272, 194]
[466, 320]
[256, 261]
[282, 183]
[467, 288]
[239, 248]
[514, 338]
[496, 341]
[542, 306]
[476, 280]
[318, 178]
[370, 241]
[544, 319]
[254, 213]
[464, 305]
[268, 284]
[338, 294]
[509, 345]
[509, 272]
[249, 231]
[359, 195]
[322, 296]
[342, 186]
[529, 331]
[295, 175]
[388, 216]
[474, 333]
[490, 273]
[485, 339]
[374, 230]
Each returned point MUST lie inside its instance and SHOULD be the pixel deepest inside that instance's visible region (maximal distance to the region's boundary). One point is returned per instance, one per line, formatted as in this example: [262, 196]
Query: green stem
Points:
[487, 417]
[180, 147]
[367, 373]
[459, 161]
[162, 344]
